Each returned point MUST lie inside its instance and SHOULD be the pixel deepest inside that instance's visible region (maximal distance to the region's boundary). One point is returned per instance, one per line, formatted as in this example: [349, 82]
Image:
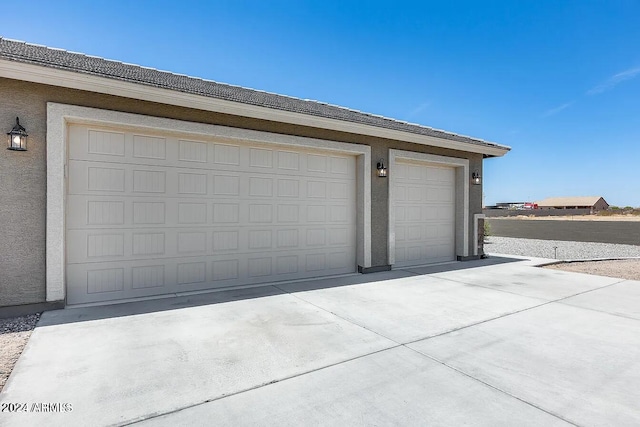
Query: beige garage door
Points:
[424, 203]
[152, 214]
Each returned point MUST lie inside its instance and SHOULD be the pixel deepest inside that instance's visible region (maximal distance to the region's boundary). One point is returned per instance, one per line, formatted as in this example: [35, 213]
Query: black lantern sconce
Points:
[382, 171]
[17, 137]
[476, 179]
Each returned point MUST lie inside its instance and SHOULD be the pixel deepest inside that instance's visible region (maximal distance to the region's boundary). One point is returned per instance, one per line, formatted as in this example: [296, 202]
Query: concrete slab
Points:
[393, 387]
[622, 299]
[579, 364]
[120, 367]
[530, 281]
[318, 355]
[416, 307]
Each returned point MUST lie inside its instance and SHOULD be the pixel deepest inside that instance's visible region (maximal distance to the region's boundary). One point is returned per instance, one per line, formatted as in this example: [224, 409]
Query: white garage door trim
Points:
[60, 115]
[462, 197]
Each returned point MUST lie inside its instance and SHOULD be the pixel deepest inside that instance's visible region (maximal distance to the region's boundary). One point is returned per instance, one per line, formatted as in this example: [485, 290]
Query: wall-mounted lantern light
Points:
[382, 171]
[17, 137]
[476, 179]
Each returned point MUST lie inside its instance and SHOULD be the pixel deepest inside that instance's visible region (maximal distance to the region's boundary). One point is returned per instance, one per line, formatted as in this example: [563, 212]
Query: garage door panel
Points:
[414, 194]
[433, 231]
[339, 237]
[415, 173]
[414, 253]
[288, 213]
[288, 188]
[414, 213]
[401, 234]
[195, 242]
[192, 183]
[101, 245]
[116, 212]
[97, 142]
[192, 151]
[414, 232]
[152, 214]
[424, 208]
[149, 212]
[401, 254]
[96, 212]
[152, 150]
[192, 273]
[105, 281]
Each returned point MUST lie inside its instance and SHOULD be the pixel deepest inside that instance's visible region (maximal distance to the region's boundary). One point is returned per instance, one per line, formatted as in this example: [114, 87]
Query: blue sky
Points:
[558, 81]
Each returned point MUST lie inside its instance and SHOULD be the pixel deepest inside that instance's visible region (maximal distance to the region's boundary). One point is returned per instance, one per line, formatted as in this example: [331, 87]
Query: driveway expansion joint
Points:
[559, 300]
[527, 296]
[493, 387]
[599, 311]
[407, 346]
[339, 317]
[158, 415]
[396, 345]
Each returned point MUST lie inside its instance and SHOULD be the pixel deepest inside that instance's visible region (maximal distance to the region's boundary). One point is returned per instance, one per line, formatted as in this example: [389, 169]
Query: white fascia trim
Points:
[462, 184]
[75, 80]
[60, 115]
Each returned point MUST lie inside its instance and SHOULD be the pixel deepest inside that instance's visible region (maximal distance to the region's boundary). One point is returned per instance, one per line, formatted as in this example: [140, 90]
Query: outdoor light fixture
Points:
[476, 179]
[382, 171]
[17, 137]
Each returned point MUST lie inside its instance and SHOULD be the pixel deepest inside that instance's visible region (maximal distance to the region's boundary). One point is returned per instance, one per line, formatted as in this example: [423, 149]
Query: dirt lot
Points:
[15, 332]
[624, 269]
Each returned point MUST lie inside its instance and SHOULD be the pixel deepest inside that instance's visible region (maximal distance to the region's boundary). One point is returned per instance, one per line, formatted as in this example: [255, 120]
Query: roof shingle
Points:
[86, 64]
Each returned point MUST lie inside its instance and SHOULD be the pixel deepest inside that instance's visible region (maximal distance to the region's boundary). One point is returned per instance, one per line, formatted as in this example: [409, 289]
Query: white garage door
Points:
[424, 203]
[159, 214]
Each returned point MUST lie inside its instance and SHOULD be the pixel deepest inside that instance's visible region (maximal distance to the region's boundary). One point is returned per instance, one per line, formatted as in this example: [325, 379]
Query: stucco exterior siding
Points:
[23, 176]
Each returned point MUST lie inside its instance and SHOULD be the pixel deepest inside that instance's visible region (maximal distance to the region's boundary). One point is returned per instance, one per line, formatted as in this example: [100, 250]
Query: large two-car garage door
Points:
[152, 214]
[424, 208]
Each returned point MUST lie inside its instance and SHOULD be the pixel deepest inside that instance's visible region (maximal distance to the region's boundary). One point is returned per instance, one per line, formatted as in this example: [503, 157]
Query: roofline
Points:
[12, 69]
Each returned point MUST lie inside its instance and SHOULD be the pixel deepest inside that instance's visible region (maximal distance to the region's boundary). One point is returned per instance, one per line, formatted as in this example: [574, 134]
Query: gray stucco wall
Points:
[23, 176]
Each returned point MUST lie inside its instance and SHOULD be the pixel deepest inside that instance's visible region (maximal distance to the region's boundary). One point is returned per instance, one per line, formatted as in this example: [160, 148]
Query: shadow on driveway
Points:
[88, 313]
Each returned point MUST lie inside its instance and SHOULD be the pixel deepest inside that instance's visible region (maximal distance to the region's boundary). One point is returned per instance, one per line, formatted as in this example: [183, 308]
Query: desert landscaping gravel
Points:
[557, 249]
[14, 334]
[570, 251]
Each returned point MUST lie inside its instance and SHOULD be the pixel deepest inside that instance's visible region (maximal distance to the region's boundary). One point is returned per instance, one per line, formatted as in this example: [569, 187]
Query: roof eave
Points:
[48, 75]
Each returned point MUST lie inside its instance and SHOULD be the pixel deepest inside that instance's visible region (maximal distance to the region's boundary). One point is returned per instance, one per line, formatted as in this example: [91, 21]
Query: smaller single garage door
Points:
[155, 213]
[424, 203]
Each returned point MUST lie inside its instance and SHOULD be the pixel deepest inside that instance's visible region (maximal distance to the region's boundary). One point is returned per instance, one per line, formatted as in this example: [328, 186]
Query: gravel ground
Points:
[624, 269]
[14, 334]
[564, 251]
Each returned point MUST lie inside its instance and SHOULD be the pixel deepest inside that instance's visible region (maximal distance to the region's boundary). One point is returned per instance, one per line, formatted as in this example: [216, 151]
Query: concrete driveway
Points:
[492, 342]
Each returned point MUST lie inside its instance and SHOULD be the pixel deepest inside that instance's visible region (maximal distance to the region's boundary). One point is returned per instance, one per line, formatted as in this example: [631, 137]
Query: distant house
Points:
[513, 206]
[509, 205]
[593, 203]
